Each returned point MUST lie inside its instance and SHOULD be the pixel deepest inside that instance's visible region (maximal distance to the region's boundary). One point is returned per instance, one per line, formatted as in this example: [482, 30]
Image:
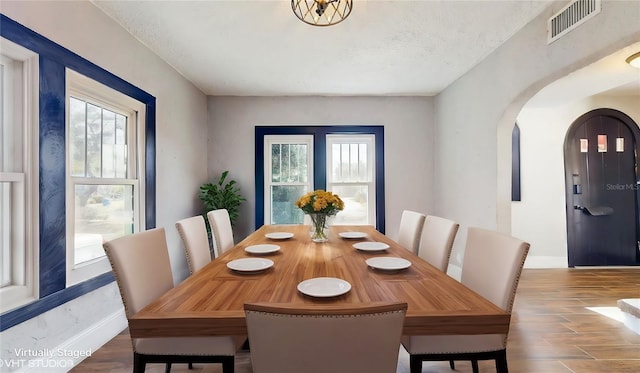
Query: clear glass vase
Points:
[319, 231]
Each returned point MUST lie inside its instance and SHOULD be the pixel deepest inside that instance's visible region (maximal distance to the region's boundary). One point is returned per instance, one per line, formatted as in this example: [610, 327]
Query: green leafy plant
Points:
[221, 195]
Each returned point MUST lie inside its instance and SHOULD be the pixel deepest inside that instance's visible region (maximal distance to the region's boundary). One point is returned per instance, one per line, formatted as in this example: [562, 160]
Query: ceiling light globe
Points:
[634, 60]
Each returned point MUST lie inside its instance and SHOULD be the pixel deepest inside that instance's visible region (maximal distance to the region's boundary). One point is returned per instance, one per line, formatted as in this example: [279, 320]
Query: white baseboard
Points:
[77, 348]
[455, 271]
[632, 322]
[546, 262]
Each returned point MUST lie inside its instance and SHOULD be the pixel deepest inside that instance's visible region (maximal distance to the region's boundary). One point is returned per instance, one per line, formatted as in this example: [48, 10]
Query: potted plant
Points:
[221, 195]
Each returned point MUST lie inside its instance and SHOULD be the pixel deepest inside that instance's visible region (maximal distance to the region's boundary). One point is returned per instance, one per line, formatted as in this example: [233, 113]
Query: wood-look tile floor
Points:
[554, 329]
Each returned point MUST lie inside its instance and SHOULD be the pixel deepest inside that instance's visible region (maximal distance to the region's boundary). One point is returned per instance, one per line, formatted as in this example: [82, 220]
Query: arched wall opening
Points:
[544, 112]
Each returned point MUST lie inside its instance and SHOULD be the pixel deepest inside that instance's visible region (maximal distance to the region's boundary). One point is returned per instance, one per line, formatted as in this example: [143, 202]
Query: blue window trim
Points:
[319, 160]
[53, 60]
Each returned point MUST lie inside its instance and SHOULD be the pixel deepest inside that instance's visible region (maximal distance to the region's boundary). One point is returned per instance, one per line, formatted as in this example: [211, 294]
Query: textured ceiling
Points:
[259, 48]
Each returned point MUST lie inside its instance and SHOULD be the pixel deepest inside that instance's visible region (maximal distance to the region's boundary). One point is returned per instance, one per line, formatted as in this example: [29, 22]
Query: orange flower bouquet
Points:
[320, 205]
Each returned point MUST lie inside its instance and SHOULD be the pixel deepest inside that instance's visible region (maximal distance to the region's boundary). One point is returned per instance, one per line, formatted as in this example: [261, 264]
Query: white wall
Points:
[408, 131]
[459, 154]
[181, 129]
[540, 218]
[475, 115]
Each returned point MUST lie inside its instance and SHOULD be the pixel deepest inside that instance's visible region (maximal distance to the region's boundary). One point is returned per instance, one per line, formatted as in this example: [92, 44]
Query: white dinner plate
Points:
[371, 246]
[250, 264]
[262, 249]
[352, 234]
[388, 263]
[324, 287]
[279, 235]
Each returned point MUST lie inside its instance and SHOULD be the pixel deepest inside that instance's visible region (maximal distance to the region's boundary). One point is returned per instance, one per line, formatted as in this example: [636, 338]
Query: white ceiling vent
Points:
[570, 17]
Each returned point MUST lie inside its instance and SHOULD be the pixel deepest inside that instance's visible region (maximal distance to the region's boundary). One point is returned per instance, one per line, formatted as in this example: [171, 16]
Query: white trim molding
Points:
[71, 352]
[541, 261]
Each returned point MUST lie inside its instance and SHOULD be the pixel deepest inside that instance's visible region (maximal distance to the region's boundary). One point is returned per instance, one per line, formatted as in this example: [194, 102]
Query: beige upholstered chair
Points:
[221, 231]
[492, 266]
[324, 339]
[140, 263]
[411, 225]
[437, 241]
[193, 233]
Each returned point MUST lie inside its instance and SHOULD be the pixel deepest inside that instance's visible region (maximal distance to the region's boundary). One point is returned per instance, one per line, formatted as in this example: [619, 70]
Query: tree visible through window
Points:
[103, 174]
[47, 190]
[341, 159]
[289, 160]
[350, 174]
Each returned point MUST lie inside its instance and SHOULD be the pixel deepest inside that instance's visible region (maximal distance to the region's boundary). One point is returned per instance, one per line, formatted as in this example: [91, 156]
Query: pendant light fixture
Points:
[322, 12]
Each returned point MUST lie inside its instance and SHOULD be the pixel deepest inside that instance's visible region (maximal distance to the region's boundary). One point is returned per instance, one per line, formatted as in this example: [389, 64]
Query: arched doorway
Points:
[602, 191]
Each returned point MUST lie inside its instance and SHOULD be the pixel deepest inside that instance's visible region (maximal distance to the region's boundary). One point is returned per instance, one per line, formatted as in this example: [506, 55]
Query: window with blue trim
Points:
[54, 62]
[104, 199]
[292, 160]
[18, 176]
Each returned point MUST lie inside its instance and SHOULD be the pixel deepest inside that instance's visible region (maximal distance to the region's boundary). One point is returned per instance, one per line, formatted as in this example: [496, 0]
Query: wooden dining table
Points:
[211, 301]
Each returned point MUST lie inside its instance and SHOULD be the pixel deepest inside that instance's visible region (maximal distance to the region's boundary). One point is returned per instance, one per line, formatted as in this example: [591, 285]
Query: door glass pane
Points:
[356, 204]
[283, 208]
[584, 145]
[620, 144]
[602, 143]
[103, 212]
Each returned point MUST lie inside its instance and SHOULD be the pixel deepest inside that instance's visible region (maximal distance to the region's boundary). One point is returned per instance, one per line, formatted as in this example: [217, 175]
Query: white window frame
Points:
[21, 108]
[270, 140]
[369, 140]
[90, 90]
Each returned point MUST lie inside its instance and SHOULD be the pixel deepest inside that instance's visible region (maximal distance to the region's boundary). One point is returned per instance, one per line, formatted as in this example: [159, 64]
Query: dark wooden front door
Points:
[602, 189]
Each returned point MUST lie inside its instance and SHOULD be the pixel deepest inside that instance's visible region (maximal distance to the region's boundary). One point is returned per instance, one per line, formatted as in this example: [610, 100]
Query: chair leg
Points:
[415, 364]
[452, 365]
[190, 365]
[228, 364]
[501, 362]
[139, 363]
[167, 368]
[474, 366]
